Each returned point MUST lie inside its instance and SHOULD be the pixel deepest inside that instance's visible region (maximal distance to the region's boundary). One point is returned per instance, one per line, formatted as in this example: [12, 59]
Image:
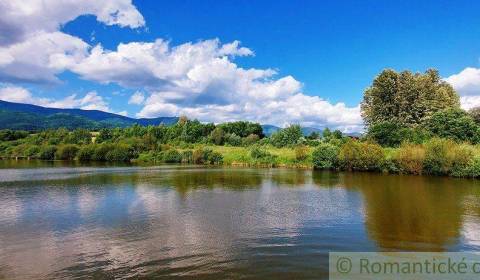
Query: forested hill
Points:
[32, 117]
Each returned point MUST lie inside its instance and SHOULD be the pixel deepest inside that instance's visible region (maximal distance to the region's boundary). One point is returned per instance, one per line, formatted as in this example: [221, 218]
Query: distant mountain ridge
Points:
[33, 117]
[20, 116]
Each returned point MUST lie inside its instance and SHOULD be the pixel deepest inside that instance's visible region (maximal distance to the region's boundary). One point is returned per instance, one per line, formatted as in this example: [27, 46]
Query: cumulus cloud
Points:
[200, 79]
[467, 84]
[90, 101]
[137, 98]
[32, 47]
[20, 19]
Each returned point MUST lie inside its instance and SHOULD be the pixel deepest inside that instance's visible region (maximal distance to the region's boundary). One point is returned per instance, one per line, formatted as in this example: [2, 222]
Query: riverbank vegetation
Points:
[414, 125]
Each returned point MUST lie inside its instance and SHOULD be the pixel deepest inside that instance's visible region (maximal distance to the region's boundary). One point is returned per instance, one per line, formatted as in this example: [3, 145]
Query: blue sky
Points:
[332, 49]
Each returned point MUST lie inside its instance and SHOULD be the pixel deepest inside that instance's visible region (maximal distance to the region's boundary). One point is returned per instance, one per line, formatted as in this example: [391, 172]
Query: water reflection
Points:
[215, 223]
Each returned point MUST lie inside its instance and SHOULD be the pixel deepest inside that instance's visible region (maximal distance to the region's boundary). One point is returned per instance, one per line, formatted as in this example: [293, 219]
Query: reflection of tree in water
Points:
[407, 212]
[214, 178]
[411, 212]
[290, 177]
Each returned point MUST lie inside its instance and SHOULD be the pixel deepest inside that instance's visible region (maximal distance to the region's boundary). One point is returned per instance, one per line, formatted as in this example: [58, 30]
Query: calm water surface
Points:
[174, 222]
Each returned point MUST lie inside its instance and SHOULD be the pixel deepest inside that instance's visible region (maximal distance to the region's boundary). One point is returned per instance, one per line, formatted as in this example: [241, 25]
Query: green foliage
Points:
[172, 156]
[405, 98]
[120, 152]
[11, 135]
[387, 134]
[454, 124]
[66, 152]
[233, 140]
[242, 128]
[79, 137]
[47, 152]
[443, 156]
[410, 158]
[301, 153]
[101, 150]
[217, 136]
[206, 156]
[475, 114]
[325, 156]
[86, 153]
[362, 156]
[187, 156]
[250, 140]
[287, 137]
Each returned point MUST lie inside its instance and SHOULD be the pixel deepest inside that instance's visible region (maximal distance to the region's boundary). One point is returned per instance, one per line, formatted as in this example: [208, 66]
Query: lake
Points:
[64, 221]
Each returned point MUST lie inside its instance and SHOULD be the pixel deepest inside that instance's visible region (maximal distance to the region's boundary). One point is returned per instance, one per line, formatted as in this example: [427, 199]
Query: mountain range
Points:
[19, 116]
[33, 117]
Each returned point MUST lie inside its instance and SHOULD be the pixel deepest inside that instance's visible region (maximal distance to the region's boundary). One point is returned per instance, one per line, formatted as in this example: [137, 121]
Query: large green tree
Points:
[406, 98]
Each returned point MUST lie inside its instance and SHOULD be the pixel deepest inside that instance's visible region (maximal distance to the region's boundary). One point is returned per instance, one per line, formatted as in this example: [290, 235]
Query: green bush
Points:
[250, 140]
[445, 157]
[387, 134]
[32, 151]
[86, 153]
[301, 153]
[233, 140]
[119, 153]
[472, 170]
[215, 158]
[187, 156]
[172, 156]
[325, 156]
[410, 158]
[66, 152]
[286, 137]
[256, 152]
[47, 152]
[101, 150]
[362, 156]
[454, 124]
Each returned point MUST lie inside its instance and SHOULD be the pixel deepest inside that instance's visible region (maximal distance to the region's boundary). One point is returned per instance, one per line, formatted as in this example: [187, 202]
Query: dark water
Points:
[68, 222]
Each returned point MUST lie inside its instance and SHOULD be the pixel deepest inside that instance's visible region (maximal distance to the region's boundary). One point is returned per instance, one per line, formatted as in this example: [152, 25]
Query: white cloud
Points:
[467, 84]
[90, 101]
[20, 19]
[137, 98]
[32, 47]
[200, 80]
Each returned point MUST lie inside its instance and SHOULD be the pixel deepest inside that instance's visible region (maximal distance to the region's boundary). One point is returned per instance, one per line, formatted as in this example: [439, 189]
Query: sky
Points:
[273, 62]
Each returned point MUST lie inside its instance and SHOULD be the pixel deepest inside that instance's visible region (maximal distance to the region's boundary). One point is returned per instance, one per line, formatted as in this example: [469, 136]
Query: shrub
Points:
[187, 156]
[32, 151]
[250, 139]
[172, 156]
[47, 152]
[472, 170]
[362, 156]
[256, 152]
[444, 157]
[454, 124]
[86, 153]
[215, 158]
[233, 140]
[287, 136]
[197, 156]
[325, 156]
[217, 136]
[410, 158]
[100, 153]
[66, 152]
[119, 152]
[387, 134]
[301, 152]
